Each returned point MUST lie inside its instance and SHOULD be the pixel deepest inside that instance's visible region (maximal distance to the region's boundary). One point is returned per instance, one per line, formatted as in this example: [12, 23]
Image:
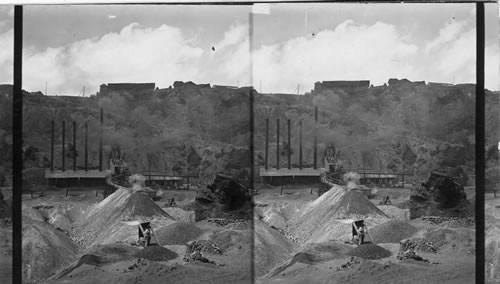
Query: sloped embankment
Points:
[45, 249]
[271, 248]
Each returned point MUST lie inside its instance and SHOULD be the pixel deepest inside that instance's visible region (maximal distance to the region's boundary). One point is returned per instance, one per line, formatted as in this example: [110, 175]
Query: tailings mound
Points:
[392, 232]
[369, 251]
[178, 234]
[156, 253]
[321, 218]
[105, 219]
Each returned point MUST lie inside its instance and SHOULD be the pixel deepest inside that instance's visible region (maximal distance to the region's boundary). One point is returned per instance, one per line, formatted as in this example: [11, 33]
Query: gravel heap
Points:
[156, 253]
[105, 219]
[369, 251]
[320, 217]
[416, 244]
[392, 232]
[178, 233]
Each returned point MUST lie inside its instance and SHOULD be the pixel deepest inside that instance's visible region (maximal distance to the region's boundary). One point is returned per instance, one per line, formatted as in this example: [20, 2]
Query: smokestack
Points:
[315, 137]
[267, 143]
[52, 148]
[278, 143]
[86, 145]
[74, 145]
[289, 147]
[100, 143]
[300, 145]
[63, 142]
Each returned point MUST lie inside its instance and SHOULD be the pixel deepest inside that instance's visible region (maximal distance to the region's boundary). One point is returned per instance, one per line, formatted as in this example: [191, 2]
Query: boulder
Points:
[442, 195]
[224, 196]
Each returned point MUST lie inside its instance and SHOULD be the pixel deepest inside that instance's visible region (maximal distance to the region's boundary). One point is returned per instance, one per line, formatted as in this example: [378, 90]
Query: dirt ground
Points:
[492, 237]
[124, 261]
[6, 244]
[283, 253]
[319, 259]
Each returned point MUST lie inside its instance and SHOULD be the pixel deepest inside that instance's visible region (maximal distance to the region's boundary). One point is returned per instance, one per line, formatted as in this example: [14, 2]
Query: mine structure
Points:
[66, 177]
[332, 171]
[116, 174]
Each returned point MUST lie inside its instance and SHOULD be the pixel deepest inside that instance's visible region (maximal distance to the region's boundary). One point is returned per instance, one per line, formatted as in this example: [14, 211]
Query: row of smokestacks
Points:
[289, 150]
[63, 150]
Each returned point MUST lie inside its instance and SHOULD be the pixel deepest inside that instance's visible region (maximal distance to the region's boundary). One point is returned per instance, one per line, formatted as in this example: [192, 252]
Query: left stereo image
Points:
[136, 144]
[6, 95]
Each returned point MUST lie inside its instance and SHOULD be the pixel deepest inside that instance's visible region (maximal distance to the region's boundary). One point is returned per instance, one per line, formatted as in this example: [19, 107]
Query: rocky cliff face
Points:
[191, 128]
[406, 126]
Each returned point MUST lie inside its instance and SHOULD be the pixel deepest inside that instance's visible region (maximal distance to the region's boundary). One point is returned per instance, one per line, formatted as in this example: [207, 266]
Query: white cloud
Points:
[235, 35]
[448, 33]
[6, 57]
[111, 17]
[135, 54]
[373, 52]
[453, 58]
[350, 52]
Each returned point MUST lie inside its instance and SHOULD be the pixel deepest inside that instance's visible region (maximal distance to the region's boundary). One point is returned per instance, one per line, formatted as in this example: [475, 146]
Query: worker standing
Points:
[147, 236]
[361, 233]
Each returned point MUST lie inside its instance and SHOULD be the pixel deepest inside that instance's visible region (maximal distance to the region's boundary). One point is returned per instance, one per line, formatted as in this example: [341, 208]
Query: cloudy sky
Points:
[69, 47]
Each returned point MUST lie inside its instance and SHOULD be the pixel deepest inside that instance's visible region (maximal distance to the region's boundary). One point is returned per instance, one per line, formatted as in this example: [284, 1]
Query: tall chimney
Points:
[63, 142]
[74, 145]
[52, 148]
[315, 137]
[86, 145]
[289, 147]
[300, 145]
[100, 142]
[267, 143]
[278, 143]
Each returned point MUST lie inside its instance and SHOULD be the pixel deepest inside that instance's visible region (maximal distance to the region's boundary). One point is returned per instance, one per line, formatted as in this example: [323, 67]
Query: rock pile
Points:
[416, 244]
[196, 256]
[203, 246]
[441, 195]
[225, 197]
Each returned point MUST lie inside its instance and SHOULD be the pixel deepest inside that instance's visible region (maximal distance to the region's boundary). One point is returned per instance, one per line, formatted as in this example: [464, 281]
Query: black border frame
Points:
[17, 165]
